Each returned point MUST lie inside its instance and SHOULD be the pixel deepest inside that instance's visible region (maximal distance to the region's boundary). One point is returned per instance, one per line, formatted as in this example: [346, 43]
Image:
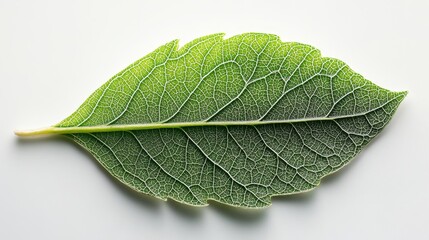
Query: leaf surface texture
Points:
[235, 120]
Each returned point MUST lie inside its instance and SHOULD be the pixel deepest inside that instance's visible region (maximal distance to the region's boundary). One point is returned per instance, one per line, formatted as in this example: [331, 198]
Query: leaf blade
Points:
[237, 120]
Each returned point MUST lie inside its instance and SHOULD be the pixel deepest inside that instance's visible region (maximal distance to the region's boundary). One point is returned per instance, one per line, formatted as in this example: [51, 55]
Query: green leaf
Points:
[236, 121]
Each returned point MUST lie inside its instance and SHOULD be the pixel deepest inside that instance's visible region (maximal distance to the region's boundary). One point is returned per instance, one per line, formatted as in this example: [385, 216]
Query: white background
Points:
[53, 54]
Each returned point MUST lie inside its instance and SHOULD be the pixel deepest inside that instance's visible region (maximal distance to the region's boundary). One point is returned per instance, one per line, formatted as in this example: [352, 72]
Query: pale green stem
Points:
[146, 126]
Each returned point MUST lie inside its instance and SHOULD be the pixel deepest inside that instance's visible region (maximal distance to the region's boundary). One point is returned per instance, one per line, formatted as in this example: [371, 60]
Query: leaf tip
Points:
[402, 94]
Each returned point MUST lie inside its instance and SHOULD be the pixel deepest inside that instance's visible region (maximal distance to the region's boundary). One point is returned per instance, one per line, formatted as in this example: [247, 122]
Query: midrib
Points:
[148, 126]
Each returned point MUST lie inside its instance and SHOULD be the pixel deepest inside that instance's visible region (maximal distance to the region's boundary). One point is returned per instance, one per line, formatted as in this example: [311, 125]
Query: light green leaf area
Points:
[235, 120]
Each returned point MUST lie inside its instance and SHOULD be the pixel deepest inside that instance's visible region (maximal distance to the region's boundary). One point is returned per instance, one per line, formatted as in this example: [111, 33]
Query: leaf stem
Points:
[36, 132]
